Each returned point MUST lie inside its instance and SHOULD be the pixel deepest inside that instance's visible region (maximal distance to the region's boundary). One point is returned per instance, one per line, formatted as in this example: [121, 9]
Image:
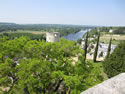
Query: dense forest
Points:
[38, 67]
[30, 35]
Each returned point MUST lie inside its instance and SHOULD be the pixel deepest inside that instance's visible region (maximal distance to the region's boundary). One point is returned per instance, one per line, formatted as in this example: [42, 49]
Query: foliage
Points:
[31, 36]
[101, 54]
[105, 30]
[92, 78]
[39, 67]
[86, 45]
[115, 63]
[120, 30]
[109, 48]
[92, 33]
[96, 48]
[63, 29]
[79, 41]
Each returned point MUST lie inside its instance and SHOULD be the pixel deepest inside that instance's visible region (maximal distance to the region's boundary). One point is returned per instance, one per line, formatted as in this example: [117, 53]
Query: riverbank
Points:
[76, 36]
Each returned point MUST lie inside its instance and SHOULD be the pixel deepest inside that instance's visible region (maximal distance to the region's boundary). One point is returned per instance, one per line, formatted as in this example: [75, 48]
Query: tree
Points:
[86, 45]
[96, 48]
[5, 34]
[109, 48]
[114, 64]
[79, 41]
[39, 67]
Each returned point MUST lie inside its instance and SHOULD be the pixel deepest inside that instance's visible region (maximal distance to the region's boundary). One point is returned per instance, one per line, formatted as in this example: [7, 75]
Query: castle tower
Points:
[52, 36]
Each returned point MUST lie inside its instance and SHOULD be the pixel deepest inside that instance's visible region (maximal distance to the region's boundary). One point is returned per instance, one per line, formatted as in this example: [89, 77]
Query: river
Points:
[76, 36]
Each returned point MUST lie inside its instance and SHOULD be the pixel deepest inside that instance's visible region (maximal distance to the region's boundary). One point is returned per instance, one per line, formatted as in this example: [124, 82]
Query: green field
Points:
[116, 38]
[25, 31]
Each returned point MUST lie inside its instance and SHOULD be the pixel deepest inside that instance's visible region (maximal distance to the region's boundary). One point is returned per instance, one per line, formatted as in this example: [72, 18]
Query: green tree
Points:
[79, 41]
[39, 67]
[109, 48]
[86, 45]
[96, 48]
[115, 63]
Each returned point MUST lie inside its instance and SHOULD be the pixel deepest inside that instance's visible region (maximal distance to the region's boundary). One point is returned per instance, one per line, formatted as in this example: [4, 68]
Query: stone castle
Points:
[52, 36]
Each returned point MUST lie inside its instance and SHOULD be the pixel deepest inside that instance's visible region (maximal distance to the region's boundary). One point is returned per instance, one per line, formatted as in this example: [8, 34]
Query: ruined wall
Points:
[52, 36]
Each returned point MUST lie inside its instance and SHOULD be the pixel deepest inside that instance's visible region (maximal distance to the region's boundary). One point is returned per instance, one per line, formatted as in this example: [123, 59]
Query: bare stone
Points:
[115, 85]
[52, 36]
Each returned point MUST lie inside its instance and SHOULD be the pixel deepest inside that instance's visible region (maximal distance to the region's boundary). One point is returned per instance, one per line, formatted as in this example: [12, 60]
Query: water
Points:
[75, 36]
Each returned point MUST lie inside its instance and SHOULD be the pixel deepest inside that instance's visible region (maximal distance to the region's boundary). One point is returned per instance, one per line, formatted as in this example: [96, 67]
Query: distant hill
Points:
[3, 23]
[9, 26]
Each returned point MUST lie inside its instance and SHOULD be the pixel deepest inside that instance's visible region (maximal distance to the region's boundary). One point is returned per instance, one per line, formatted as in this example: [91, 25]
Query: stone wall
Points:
[52, 36]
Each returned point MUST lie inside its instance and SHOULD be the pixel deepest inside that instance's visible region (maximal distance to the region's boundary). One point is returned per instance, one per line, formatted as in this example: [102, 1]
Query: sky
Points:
[78, 12]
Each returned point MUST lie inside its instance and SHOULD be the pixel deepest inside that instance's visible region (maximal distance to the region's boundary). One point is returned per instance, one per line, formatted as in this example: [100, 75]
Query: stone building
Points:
[52, 36]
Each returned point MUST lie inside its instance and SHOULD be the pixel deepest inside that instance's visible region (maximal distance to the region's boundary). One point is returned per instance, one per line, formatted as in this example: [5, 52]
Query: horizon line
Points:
[65, 24]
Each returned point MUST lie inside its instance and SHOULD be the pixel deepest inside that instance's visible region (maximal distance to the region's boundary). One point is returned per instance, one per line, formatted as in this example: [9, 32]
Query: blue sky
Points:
[82, 12]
